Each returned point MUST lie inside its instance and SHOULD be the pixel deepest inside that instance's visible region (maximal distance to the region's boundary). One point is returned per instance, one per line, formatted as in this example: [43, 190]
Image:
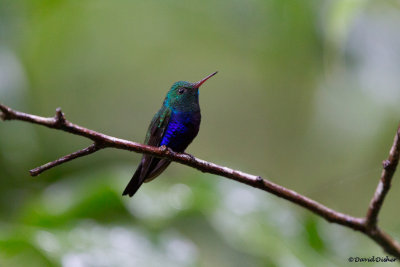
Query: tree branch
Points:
[367, 225]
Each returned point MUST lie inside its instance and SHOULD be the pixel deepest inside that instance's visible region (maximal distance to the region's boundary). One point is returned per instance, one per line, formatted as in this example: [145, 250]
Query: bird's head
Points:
[185, 95]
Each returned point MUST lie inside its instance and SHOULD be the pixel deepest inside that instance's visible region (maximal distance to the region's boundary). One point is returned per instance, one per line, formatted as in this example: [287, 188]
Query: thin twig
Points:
[83, 152]
[389, 167]
[102, 141]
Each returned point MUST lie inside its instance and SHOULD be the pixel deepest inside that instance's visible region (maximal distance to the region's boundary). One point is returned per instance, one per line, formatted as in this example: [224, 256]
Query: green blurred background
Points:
[307, 95]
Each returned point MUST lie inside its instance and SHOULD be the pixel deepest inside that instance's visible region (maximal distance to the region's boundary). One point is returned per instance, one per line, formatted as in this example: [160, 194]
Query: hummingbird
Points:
[175, 126]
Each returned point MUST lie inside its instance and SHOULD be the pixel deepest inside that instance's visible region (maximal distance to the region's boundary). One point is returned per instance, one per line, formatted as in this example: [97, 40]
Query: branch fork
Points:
[367, 225]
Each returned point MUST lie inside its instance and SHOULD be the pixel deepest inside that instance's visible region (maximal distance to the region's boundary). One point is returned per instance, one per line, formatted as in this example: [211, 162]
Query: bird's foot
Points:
[192, 158]
[166, 150]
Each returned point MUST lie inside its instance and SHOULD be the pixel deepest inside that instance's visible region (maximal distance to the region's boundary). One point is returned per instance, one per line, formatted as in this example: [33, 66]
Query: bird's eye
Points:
[181, 91]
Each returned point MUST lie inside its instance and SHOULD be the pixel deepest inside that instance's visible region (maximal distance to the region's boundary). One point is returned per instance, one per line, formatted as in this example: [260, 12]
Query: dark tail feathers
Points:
[134, 183]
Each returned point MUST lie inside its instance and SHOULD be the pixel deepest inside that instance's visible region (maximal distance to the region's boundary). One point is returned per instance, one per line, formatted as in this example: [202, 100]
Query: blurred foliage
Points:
[307, 96]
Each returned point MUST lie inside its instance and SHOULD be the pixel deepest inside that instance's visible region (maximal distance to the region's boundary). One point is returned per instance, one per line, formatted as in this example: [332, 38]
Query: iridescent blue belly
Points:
[182, 129]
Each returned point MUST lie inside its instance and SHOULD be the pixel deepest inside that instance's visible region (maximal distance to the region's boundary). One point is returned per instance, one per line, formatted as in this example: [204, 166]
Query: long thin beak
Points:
[199, 83]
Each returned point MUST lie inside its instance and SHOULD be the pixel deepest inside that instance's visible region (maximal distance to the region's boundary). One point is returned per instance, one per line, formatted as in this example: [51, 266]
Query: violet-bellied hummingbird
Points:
[175, 126]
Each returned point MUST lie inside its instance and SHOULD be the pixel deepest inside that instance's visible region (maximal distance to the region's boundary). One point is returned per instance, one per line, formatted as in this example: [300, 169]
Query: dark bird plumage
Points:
[175, 125]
